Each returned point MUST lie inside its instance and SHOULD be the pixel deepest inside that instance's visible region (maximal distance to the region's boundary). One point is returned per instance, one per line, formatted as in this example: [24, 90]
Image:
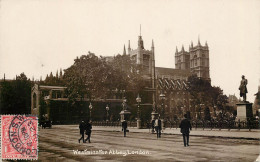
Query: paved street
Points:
[59, 142]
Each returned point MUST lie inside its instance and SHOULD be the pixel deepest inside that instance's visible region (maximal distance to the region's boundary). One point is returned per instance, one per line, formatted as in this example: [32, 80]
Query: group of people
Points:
[157, 125]
[185, 127]
[85, 128]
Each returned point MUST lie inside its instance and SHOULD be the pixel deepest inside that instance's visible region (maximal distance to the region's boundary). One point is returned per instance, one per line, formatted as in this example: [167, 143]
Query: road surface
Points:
[59, 142]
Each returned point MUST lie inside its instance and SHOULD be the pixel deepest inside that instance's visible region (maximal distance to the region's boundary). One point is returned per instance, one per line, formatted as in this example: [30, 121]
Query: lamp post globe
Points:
[107, 108]
[90, 108]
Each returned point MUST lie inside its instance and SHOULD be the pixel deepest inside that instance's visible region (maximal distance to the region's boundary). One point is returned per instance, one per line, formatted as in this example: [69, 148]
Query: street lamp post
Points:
[90, 108]
[138, 100]
[215, 108]
[107, 108]
[162, 97]
[201, 106]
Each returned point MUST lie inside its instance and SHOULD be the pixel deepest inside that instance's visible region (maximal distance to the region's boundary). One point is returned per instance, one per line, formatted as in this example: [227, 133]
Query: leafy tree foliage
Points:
[129, 72]
[94, 77]
[53, 80]
[15, 96]
[202, 92]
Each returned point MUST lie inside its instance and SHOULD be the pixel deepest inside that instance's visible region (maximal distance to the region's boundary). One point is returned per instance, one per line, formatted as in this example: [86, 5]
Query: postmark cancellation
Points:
[19, 137]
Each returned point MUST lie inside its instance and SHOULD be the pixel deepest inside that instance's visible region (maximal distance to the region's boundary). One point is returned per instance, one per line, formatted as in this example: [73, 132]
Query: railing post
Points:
[239, 124]
[249, 124]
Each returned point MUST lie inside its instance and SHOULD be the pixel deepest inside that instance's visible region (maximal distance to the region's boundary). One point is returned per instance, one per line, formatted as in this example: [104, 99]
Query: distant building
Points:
[172, 82]
[196, 60]
[169, 81]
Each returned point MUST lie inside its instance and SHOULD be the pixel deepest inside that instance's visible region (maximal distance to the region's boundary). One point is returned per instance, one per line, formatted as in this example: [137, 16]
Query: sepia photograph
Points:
[130, 80]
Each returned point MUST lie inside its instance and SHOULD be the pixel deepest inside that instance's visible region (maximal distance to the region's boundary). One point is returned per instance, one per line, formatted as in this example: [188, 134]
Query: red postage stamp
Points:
[19, 137]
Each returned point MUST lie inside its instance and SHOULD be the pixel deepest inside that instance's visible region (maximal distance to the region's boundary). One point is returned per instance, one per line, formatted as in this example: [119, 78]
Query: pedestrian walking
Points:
[158, 127]
[124, 127]
[153, 121]
[88, 131]
[82, 127]
[185, 130]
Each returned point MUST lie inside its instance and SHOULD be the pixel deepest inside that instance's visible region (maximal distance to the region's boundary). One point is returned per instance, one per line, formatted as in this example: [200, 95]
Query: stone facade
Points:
[169, 81]
[196, 60]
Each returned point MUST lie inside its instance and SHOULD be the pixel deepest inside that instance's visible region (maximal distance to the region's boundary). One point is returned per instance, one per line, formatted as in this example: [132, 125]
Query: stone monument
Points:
[244, 108]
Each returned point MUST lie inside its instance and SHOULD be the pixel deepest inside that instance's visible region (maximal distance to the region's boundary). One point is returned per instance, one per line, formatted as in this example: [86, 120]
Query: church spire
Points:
[199, 41]
[140, 41]
[182, 48]
[140, 30]
[129, 48]
[152, 44]
[129, 44]
[57, 74]
[124, 52]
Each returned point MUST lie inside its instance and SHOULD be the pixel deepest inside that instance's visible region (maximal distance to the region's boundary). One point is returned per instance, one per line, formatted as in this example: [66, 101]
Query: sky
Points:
[41, 36]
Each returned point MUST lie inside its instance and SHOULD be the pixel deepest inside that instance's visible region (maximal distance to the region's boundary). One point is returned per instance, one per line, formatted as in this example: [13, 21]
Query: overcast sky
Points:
[40, 36]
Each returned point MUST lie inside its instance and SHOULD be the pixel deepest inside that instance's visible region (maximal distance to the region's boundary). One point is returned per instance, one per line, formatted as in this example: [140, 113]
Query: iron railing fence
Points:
[225, 124]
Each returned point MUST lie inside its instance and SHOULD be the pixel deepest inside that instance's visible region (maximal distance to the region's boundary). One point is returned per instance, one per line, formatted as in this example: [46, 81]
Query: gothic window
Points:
[203, 62]
[195, 60]
[179, 64]
[146, 59]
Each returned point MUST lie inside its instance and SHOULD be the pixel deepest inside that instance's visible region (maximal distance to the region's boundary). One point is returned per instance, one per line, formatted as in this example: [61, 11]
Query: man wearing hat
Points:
[185, 130]
[82, 127]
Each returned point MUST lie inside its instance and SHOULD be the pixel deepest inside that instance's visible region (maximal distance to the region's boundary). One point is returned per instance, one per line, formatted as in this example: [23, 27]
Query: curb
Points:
[224, 137]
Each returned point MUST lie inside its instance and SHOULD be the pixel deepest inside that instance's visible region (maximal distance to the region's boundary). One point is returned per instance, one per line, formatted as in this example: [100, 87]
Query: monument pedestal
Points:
[244, 111]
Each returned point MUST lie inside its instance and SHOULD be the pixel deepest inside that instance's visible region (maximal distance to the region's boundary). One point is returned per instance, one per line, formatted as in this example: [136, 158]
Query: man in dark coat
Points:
[82, 127]
[185, 130]
[88, 131]
[153, 121]
[158, 127]
[124, 127]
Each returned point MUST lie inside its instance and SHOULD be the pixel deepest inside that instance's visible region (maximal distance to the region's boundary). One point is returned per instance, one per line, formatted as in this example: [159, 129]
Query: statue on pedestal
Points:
[243, 88]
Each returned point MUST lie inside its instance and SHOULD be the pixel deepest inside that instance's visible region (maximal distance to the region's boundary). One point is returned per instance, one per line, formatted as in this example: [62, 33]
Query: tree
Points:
[91, 77]
[94, 77]
[129, 72]
[221, 102]
[54, 80]
[202, 92]
[16, 95]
